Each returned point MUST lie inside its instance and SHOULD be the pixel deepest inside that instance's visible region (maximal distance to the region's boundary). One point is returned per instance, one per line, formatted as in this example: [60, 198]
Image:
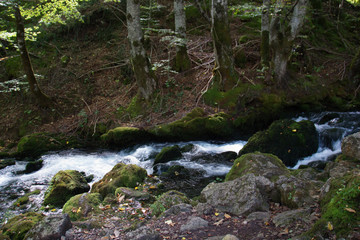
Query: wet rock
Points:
[143, 233]
[52, 227]
[319, 165]
[288, 217]
[82, 206]
[168, 154]
[121, 175]
[33, 166]
[350, 146]
[6, 162]
[224, 157]
[287, 139]
[230, 237]
[63, 186]
[187, 148]
[194, 223]
[329, 136]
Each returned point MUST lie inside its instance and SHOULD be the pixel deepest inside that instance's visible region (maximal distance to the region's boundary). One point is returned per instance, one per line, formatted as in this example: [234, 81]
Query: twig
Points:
[86, 105]
[102, 69]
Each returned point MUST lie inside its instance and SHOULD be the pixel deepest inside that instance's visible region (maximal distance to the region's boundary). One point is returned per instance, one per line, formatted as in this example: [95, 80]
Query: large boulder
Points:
[51, 227]
[287, 139]
[196, 126]
[17, 227]
[122, 137]
[350, 146]
[82, 206]
[34, 145]
[121, 175]
[254, 179]
[63, 186]
[168, 154]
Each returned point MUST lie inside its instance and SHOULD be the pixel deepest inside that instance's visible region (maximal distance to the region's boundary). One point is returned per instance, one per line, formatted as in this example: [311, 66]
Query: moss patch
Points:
[167, 200]
[63, 186]
[81, 206]
[287, 139]
[168, 154]
[121, 175]
[18, 226]
[122, 137]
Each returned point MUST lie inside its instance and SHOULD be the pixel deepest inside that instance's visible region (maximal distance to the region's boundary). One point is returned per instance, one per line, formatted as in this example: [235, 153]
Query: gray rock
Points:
[176, 209]
[194, 223]
[288, 217]
[240, 196]
[143, 233]
[230, 237]
[264, 216]
[350, 146]
[50, 228]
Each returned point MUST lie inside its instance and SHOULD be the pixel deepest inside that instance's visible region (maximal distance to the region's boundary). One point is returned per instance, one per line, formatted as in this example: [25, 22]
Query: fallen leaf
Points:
[217, 214]
[330, 226]
[53, 210]
[136, 188]
[152, 187]
[121, 197]
[350, 210]
[116, 233]
[170, 222]
[227, 216]
[267, 223]
[294, 130]
[79, 210]
[219, 222]
[121, 209]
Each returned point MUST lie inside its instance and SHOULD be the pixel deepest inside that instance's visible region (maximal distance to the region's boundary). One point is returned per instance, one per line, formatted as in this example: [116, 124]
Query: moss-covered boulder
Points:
[340, 206]
[168, 154]
[254, 179]
[63, 186]
[17, 227]
[82, 206]
[21, 201]
[122, 137]
[34, 145]
[132, 193]
[121, 175]
[167, 200]
[33, 166]
[195, 126]
[287, 139]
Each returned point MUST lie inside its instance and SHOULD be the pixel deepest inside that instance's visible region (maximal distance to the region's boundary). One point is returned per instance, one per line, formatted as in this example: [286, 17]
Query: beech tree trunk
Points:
[43, 99]
[283, 34]
[265, 25]
[224, 71]
[145, 77]
[182, 61]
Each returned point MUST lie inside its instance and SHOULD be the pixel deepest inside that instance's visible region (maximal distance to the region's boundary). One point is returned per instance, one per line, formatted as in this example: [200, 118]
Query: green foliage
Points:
[81, 206]
[246, 11]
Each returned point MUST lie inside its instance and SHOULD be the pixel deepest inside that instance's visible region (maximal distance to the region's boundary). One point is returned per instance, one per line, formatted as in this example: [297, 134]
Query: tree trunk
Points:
[354, 71]
[224, 71]
[182, 61]
[265, 25]
[26, 62]
[282, 37]
[145, 77]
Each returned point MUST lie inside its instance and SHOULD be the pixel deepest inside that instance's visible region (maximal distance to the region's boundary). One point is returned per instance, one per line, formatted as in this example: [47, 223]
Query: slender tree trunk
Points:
[265, 25]
[282, 37]
[145, 77]
[26, 62]
[182, 61]
[225, 74]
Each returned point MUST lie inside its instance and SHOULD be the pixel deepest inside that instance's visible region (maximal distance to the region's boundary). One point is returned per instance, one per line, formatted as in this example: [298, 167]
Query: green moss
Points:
[18, 226]
[340, 206]
[287, 139]
[121, 175]
[195, 126]
[182, 60]
[63, 186]
[82, 206]
[122, 137]
[167, 200]
[168, 154]
[6, 162]
[25, 199]
[135, 107]
[34, 145]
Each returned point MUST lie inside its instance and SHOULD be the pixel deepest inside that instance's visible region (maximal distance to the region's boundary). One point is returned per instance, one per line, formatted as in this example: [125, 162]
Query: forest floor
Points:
[219, 225]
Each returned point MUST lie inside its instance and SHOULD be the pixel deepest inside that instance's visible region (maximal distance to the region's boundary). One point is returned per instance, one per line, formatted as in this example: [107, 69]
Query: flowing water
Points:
[332, 128]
